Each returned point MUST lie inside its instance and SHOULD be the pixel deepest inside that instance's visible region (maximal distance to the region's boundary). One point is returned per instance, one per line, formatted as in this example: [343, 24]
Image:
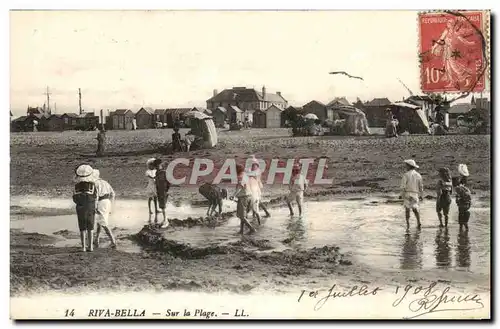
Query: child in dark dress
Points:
[85, 198]
[162, 187]
[463, 198]
[443, 200]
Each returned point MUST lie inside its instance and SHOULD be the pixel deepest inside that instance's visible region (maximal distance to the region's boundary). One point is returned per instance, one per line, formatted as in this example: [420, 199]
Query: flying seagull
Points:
[344, 73]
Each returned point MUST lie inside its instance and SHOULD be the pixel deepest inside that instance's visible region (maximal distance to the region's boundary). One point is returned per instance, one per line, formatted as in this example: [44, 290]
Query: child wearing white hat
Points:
[463, 198]
[151, 185]
[412, 190]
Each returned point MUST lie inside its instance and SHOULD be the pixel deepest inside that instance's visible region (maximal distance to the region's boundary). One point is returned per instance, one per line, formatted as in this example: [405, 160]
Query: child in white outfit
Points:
[151, 186]
[298, 185]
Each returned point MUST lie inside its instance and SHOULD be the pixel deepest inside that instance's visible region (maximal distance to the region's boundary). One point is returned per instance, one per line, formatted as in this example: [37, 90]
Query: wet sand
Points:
[344, 238]
[357, 237]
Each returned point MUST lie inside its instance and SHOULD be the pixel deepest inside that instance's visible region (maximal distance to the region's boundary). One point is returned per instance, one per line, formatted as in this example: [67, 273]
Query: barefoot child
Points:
[298, 185]
[151, 187]
[85, 198]
[255, 172]
[214, 194]
[412, 189]
[242, 192]
[162, 187]
[444, 191]
[463, 198]
[106, 199]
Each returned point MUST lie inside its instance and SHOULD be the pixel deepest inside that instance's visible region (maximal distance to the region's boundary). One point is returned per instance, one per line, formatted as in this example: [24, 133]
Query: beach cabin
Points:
[122, 119]
[145, 118]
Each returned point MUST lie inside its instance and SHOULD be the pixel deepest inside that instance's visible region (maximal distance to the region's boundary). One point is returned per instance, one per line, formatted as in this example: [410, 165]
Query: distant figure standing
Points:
[391, 128]
[463, 198]
[85, 198]
[444, 191]
[151, 185]
[105, 200]
[298, 185]
[189, 138]
[101, 141]
[162, 188]
[134, 124]
[412, 189]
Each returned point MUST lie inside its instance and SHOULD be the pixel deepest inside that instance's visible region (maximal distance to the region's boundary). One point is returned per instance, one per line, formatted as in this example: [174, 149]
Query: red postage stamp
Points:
[452, 51]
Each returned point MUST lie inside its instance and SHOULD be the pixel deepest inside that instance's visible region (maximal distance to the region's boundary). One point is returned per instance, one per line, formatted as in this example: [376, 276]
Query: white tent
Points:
[203, 126]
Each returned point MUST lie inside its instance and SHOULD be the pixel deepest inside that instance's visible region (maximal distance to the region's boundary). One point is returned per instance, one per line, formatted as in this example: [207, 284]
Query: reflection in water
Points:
[463, 249]
[411, 253]
[296, 229]
[443, 252]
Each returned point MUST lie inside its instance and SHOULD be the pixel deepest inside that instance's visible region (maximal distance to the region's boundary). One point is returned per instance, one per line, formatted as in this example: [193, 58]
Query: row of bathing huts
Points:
[261, 109]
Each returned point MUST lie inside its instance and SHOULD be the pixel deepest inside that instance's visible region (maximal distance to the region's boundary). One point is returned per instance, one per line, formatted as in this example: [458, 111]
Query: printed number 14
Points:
[69, 313]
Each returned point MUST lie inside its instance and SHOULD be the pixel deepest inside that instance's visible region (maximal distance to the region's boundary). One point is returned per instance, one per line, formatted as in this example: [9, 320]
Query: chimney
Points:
[278, 93]
[215, 92]
[264, 92]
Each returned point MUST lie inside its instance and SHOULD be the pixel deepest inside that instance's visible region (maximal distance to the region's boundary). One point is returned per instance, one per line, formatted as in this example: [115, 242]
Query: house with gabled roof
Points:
[70, 121]
[268, 118]
[219, 116]
[375, 111]
[122, 119]
[317, 108]
[338, 101]
[145, 118]
[246, 99]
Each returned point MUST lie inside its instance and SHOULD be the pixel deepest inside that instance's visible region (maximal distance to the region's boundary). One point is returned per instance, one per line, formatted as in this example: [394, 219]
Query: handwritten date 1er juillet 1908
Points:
[169, 313]
[419, 299]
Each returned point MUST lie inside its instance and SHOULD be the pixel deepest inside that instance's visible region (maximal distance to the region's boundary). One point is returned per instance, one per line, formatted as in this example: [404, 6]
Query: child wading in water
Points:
[243, 193]
[298, 185]
[412, 189]
[151, 187]
[463, 198]
[85, 198]
[444, 191]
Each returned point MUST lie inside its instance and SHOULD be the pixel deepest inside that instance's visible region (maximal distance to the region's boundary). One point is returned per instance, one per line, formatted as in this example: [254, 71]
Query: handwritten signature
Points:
[420, 300]
[333, 293]
[431, 300]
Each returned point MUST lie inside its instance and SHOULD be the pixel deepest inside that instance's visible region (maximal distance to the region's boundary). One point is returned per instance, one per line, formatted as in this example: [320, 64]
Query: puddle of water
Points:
[371, 230]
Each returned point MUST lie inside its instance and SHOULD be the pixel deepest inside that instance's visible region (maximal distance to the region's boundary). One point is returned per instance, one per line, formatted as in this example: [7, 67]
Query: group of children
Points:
[248, 194]
[177, 142]
[157, 188]
[94, 198]
[412, 192]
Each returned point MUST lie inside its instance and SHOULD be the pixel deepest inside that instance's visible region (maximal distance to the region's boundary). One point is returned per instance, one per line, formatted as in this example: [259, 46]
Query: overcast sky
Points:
[124, 59]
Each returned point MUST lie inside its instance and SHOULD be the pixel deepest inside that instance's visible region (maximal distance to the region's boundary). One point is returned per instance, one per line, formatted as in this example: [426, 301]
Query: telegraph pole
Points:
[47, 93]
[80, 100]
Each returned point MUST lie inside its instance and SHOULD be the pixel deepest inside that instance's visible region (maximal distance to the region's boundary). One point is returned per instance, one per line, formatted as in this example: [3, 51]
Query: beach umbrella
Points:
[311, 116]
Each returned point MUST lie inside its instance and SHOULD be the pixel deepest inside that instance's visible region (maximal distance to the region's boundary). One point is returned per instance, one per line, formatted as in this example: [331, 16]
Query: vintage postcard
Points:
[237, 165]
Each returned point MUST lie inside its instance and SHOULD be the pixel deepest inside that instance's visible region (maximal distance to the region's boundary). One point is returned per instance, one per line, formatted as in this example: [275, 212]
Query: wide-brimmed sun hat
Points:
[150, 161]
[463, 170]
[411, 163]
[85, 173]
